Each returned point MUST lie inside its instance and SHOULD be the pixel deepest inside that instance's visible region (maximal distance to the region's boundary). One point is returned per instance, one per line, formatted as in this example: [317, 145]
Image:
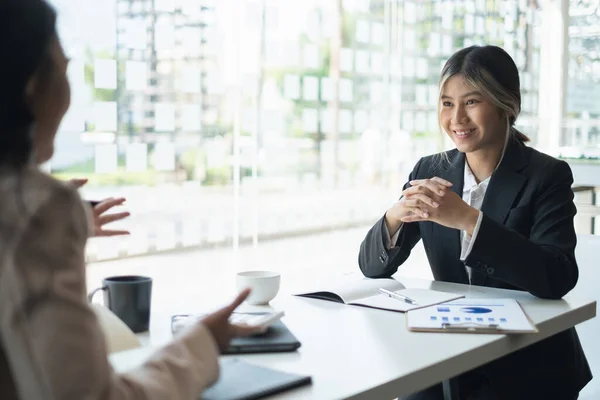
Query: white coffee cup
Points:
[264, 285]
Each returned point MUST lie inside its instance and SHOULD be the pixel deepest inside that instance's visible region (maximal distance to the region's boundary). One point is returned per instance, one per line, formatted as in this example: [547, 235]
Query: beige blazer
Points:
[51, 344]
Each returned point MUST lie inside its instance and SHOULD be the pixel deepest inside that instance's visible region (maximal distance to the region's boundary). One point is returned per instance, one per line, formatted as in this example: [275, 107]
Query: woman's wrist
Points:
[470, 221]
[392, 223]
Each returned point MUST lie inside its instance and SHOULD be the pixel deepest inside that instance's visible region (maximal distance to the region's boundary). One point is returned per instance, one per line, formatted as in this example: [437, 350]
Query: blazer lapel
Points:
[505, 184]
[449, 239]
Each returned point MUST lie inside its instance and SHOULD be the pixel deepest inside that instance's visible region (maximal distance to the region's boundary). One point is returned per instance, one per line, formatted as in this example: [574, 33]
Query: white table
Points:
[358, 353]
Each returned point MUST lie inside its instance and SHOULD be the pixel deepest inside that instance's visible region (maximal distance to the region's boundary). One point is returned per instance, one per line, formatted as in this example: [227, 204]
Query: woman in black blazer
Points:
[492, 212]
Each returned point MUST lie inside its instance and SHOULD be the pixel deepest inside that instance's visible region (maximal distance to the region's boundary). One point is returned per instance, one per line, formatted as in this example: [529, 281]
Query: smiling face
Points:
[470, 119]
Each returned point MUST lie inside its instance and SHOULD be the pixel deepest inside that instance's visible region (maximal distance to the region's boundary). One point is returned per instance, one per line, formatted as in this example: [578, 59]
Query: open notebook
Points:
[365, 292]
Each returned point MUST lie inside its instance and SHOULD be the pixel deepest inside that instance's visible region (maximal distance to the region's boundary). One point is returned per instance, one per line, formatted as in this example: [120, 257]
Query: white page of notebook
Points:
[351, 290]
[423, 297]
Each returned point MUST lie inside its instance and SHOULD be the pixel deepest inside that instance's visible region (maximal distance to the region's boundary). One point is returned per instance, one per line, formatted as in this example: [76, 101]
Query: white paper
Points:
[134, 33]
[376, 119]
[509, 45]
[106, 158]
[191, 41]
[469, 24]
[164, 5]
[291, 87]
[164, 117]
[345, 120]
[362, 6]
[480, 25]
[422, 68]
[313, 26]
[409, 67]
[191, 79]
[527, 80]
[434, 95]
[376, 63]
[410, 39]
[408, 121]
[447, 45]
[433, 124]
[137, 157]
[166, 237]
[505, 313]
[346, 60]
[346, 90]
[76, 75]
[136, 76]
[395, 93]
[310, 88]
[309, 120]
[190, 7]
[376, 91]
[420, 121]
[509, 25]
[448, 15]
[191, 117]
[74, 120]
[164, 36]
[192, 232]
[434, 44]
[105, 74]
[363, 31]
[361, 121]
[410, 12]
[423, 297]
[164, 156]
[362, 61]
[350, 289]
[327, 121]
[377, 33]
[105, 116]
[273, 121]
[348, 5]
[311, 56]
[326, 89]
[291, 55]
[248, 119]
[421, 95]
[356, 6]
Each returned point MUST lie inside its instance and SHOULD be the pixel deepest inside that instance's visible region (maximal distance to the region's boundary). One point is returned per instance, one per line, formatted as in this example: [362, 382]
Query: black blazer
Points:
[526, 241]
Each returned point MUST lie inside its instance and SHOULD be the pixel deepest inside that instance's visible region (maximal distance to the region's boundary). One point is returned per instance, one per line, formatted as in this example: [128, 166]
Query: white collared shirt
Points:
[473, 195]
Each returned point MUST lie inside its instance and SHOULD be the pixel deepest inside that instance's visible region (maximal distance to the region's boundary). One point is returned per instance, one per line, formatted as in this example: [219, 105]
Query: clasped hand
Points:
[433, 200]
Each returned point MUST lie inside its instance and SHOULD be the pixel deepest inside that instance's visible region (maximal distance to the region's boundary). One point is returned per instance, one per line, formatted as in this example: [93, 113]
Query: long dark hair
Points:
[491, 71]
[27, 28]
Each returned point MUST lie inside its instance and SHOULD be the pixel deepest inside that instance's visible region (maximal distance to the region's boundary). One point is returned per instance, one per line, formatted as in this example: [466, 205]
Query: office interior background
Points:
[273, 133]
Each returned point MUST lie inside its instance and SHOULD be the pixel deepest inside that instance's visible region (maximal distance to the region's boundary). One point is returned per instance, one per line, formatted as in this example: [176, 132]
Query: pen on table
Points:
[398, 296]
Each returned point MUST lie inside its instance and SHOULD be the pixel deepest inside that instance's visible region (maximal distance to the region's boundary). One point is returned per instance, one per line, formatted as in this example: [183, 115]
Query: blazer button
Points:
[490, 270]
[381, 259]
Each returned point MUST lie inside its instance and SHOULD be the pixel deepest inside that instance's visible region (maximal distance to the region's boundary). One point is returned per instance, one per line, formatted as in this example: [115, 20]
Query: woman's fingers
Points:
[429, 187]
[418, 205]
[436, 179]
[107, 219]
[107, 204]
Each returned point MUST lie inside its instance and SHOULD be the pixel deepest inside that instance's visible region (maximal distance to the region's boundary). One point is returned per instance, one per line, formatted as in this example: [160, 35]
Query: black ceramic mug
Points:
[129, 298]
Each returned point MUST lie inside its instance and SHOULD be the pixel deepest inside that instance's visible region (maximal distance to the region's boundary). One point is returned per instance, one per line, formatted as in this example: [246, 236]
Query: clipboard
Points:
[491, 316]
